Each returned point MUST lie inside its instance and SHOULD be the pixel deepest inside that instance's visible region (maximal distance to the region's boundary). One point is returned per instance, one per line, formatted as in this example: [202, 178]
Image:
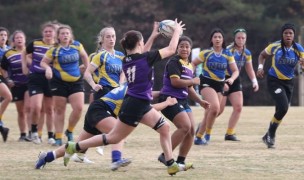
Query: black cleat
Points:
[4, 133]
[161, 158]
[231, 137]
[269, 141]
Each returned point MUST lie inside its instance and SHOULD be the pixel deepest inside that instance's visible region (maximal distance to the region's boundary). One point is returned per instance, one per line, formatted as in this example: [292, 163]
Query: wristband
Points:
[260, 66]
[254, 81]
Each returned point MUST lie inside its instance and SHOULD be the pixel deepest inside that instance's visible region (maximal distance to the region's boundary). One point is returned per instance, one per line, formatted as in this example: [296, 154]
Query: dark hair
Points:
[217, 30]
[130, 39]
[283, 28]
[7, 32]
[185, 38]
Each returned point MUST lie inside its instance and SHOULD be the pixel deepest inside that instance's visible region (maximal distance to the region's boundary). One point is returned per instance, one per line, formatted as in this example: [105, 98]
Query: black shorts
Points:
[133, 109]
[18, 92]
[235, 87]
[97, 111]
[38, 84]
[65, 89]
[171, 111]
[218, 86]
[102, 92]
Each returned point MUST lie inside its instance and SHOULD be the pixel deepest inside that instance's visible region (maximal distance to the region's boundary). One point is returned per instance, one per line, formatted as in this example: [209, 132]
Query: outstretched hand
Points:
[179, 26]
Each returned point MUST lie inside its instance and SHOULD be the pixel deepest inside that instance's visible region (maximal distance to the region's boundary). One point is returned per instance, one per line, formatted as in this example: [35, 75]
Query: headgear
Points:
[239, 30]
[288, 26]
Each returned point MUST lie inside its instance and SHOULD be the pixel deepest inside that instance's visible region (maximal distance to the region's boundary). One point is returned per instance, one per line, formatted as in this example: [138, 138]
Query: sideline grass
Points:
[248, 159]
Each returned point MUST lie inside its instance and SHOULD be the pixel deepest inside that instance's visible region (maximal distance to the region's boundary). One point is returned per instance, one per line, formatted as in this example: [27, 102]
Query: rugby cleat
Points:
[70, 149]
[161, 158]
[4, 133]
[269, 141]
[120, 163]
[69, 135]
[81, 158]
[200, 141]
[40, 163]
[231, 137]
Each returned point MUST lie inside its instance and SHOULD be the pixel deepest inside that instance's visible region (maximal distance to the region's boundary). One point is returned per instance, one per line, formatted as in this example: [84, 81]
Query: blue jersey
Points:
[138, 69]
[240, 58]
[66, 61]
[177, 68]
[37, 48]
[215, 65]
[11, 62]
[282, 67]
[109, 67]
[115, 97]
[2, 51]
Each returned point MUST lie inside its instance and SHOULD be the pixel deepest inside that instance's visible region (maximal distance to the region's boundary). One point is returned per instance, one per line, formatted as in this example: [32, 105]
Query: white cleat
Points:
[99, 150]
[36, 139]
[81, 158]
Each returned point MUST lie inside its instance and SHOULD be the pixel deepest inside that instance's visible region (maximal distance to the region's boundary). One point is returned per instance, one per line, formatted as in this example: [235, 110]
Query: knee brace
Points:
[104, 139]
[159, 123]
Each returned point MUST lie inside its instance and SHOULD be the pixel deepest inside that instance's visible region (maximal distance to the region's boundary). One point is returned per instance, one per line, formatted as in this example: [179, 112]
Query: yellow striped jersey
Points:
[109, 66]
[66, 61]
[115, 97]
[215, 65]
[282, 67]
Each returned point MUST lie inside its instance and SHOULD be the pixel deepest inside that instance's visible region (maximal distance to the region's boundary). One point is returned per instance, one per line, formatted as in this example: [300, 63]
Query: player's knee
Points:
[161, 125]
[104, 139]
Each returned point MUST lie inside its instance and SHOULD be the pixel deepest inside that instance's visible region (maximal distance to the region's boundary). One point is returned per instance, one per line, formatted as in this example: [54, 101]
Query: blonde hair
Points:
[100, 36]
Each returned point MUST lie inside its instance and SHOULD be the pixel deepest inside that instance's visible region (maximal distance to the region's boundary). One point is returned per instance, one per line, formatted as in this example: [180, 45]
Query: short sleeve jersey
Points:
[215, 65]
[138, 69]
[11, 62]
[38, 49]
[66, 61]
[176, 68]
[240, 58]
[109, 67]
[282, 67]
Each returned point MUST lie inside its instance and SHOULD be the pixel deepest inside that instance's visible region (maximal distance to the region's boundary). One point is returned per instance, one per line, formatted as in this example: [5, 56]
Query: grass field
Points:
[248, 159]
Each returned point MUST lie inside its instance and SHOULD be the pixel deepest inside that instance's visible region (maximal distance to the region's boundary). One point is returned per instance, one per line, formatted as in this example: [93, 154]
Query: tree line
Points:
[261, 18]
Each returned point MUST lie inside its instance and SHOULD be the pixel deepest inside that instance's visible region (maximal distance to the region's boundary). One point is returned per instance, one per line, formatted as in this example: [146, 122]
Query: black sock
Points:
[180, 160]
[272, 129]
[77, 147]
[170, 162]
[22, 134]
[67, 131]
[50, 135]
[34, 128]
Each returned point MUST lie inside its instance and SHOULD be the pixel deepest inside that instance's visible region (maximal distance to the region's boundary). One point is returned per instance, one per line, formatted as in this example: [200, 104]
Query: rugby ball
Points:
[166, 28]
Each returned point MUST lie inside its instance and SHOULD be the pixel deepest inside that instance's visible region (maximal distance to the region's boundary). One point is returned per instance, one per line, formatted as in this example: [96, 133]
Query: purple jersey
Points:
[37, 48]
[138, 69]
[176, 67]
[11, 62]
